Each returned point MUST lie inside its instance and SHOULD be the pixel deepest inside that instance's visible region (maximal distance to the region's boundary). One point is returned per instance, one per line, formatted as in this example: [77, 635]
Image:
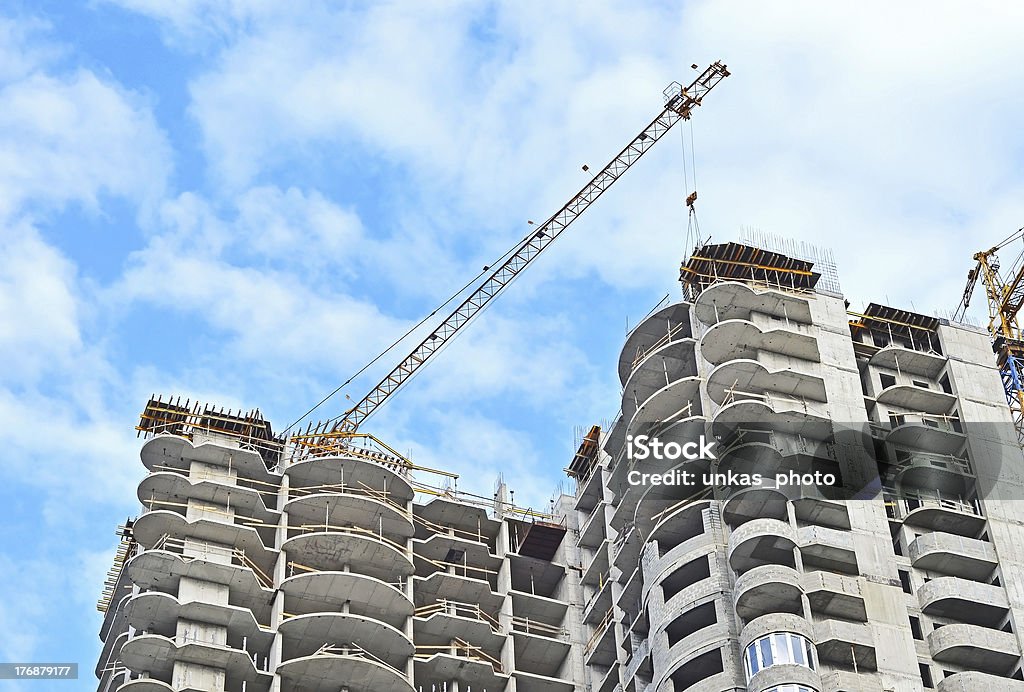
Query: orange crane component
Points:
[679, 104]
[1005, 294]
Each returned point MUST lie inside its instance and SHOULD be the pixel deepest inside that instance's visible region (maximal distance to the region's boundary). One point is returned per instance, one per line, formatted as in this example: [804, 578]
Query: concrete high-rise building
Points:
[259, 566]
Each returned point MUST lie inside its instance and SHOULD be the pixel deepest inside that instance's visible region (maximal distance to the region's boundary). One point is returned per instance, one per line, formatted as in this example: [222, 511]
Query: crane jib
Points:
[679, 106]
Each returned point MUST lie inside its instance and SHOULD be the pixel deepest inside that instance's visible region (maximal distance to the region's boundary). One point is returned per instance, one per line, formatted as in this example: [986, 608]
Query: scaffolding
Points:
[711, 264]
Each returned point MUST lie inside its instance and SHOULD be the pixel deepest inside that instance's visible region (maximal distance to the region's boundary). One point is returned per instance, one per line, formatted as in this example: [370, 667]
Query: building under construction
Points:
[330, 564]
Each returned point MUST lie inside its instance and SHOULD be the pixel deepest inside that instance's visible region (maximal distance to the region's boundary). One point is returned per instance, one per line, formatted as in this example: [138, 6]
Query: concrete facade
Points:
[332, 572]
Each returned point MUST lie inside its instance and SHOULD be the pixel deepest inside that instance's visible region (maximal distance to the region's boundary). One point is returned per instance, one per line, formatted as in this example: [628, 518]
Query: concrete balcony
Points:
[979, 648]
[940, 438]
[351, 507]
[827, 549]
[359, 669]
[953, 555]
[750, 503]
[667, 325]
[155, 526]
[761, 542]
[455, 554]
[304, 635]
[335, 548]
[767, 589]
[340, 473]
[951, 514]
[146, 685]
[158, 613]
[162, 569]
[170, 488]
[967, 601]
[727, 300]
[784, 674]
[590, 490]
[170, 452]
[768, 412]
[942, 473]
[849, 644]
[600, 648]
[311, 592]
[592, 531]
[848, 681]
[751, 377]
[677, 400]
[474, 673]
[775, 622]
[834, 595]
[658, 368]
[910, 361]
[738, 338]
[917, 399]
[973, 681]
[157, 655]
[542, 683]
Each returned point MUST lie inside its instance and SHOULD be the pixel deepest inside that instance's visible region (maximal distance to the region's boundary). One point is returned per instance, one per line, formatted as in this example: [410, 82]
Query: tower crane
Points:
[325, 436]
[1005, 293]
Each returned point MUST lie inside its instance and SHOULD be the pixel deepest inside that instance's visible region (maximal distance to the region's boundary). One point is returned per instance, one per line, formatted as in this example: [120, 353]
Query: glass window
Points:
[776, 649]
[766, 652]
[798, 650]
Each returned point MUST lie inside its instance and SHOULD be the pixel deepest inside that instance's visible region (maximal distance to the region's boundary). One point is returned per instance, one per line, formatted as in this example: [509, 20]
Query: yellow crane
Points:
[324, 437]
[1004, 290]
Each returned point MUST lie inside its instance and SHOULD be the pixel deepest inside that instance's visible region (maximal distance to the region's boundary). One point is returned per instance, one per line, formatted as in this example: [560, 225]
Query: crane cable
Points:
[692, 226]
[399, 340]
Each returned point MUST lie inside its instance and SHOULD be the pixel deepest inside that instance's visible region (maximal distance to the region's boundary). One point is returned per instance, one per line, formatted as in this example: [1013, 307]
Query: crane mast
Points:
[679, 104]
[1005, 297]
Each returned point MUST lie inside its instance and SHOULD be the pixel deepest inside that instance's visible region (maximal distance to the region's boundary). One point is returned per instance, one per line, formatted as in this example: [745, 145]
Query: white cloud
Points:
[74, 138]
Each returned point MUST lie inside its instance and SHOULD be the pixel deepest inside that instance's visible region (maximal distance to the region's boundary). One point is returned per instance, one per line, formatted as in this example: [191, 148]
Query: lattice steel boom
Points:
[679, 104]
[1005, 299]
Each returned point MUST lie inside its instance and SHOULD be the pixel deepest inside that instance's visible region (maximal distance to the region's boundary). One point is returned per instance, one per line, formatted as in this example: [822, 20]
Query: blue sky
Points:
[243, 203]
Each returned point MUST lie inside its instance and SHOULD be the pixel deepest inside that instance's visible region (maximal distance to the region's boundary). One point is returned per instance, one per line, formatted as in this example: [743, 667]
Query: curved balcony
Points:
[973, 681]
[727, 300]
[162, 569]
[675, 523]
[670, 323]
[752, 503]
[657, 570]
[158, 612]
[679, 399]
[311, 592]
[902, 359]
[146, 685]
[775, 622]
[917, 399]
[954, 555]
[970, 646]
[155, 526]
[169, 453]
[784, 674]
[161, 487]
[944, 513]
[960, 599]
[478, 673]
[938, 439]
[761, 542]
[157, 654]
[701, 667]
[767, 589]
[738, 338]
[780, 414]
[362, 551]
[305, 634]
[659, 368]
[697, 594]
[947, 474]
[321, 672]
[834, 595]
[751, 377]
[338, 473]
[351, 507]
